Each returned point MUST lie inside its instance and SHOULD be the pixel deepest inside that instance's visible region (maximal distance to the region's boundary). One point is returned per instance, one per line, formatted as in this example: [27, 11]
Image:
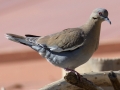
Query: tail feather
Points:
[28, 35]
[19, 39]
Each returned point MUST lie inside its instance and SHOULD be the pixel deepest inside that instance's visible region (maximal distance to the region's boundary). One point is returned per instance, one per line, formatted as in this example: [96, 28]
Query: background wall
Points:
[21, 67]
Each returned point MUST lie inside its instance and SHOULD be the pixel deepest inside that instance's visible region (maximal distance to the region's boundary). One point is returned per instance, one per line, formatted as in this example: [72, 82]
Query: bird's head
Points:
[100, 14]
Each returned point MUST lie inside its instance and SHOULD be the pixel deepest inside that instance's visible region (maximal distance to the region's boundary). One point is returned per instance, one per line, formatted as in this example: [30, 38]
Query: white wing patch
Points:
[58, 49]
[55, 48]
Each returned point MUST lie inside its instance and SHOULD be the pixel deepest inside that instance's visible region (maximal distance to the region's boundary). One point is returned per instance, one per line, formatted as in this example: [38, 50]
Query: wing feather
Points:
[68, 39]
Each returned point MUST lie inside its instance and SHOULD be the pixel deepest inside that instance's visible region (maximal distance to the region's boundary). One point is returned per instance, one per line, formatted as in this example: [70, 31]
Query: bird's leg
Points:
[71, 70]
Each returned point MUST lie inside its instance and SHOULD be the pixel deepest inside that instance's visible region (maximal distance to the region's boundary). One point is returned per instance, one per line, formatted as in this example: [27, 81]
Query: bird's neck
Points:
[92, 31]
[92, 28]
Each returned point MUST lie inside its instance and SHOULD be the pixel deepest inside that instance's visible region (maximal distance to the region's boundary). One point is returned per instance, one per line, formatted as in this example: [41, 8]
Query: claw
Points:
[76, 73]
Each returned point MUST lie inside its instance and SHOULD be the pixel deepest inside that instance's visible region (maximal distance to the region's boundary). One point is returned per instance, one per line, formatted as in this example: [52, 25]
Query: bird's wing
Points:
[66, 40]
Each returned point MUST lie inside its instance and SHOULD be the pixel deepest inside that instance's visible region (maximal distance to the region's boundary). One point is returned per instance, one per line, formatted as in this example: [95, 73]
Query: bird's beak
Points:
[107, 19]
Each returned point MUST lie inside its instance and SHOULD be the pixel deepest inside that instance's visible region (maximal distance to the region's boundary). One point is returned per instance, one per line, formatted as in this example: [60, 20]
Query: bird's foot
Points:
[77, 74]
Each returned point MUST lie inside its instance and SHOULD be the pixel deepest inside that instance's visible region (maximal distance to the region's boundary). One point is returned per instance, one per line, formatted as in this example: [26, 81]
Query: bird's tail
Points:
[18, 39]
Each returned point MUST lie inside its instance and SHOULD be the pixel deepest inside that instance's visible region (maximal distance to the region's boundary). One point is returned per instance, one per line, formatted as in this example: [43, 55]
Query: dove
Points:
[70, 47]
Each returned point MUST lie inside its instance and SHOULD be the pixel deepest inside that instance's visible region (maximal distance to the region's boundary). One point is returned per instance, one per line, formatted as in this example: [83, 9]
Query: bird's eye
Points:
[100, 13]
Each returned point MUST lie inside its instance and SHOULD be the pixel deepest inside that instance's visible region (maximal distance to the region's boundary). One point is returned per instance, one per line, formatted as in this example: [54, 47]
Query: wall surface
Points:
[23, 68]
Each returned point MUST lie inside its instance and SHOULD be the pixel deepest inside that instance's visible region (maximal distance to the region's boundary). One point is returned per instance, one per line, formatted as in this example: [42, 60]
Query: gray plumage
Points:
[71, 47]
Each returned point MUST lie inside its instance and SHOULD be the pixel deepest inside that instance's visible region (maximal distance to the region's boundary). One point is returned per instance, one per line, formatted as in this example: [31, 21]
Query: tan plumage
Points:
[66, 39]
[71, 47]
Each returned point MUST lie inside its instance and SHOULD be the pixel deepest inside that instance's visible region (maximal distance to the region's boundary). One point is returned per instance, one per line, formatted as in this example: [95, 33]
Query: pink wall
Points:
[42, 17]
